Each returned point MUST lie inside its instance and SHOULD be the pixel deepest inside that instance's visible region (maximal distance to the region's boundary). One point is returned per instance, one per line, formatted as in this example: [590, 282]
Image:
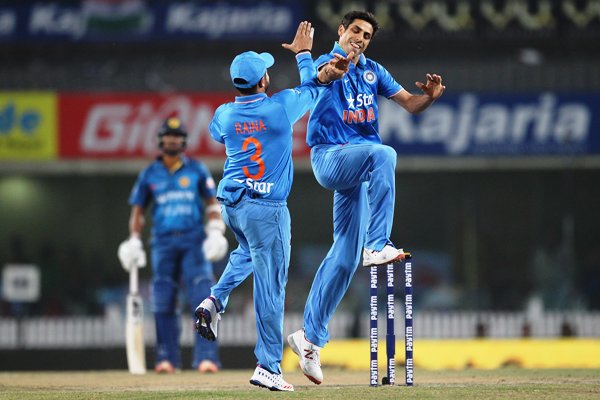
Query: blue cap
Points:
[248, 68]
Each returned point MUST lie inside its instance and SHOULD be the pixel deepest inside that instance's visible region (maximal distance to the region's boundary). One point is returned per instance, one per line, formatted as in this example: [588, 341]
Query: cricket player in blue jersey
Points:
[181, 191]
[348, 158]
[257, 133]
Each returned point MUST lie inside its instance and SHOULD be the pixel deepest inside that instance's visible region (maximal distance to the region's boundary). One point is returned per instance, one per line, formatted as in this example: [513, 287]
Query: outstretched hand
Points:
[303, 39]
[335, 68]
[433, 88]
[343, 63]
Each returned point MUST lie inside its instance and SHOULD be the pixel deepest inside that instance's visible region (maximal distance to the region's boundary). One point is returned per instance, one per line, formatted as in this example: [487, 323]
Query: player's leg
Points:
[381, 193]
[350, 213]
[198, 278]
[209, 311]
[239, 266]
[343, 167]
[163, 304]
[332, 279]
[268, 231]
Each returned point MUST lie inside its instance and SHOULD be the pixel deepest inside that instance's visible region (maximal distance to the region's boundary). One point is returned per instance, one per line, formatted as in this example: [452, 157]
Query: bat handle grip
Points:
[133, 279]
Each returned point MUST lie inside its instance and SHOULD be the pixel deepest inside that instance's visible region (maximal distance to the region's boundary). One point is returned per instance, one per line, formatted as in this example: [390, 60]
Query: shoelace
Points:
[378, 253]
[315, 357]
[216, 303]
[375, 252]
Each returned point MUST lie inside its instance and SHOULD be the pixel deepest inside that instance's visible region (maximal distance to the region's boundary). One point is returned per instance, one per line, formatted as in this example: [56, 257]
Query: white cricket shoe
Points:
[208, 318]
[310, 362]
[389, 254]
[274, 382]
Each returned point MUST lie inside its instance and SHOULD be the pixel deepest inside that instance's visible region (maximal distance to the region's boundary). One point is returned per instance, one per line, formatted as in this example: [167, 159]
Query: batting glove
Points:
[131, 252]
[215, 245]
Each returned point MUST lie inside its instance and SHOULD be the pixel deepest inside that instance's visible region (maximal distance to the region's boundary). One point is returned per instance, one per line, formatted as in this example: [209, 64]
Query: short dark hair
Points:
[364, 15]
[247, 91]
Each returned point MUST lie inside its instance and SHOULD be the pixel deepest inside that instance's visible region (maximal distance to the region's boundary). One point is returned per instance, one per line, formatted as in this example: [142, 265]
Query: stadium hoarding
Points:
[98, 126]
[150, 20]
[28, 126]
[469, 124]
[469, 19]
[102, 126]
[122, 126]
[140, 20]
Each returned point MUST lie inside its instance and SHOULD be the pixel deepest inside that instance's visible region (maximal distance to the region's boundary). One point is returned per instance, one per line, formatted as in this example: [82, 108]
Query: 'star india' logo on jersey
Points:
[369, 76]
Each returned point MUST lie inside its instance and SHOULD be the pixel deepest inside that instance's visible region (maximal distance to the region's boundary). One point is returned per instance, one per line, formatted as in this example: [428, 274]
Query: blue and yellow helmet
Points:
[172, 126]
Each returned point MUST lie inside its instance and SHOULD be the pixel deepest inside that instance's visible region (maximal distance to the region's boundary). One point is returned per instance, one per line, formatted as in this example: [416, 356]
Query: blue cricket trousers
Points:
[263, 231]
[362, 178]
[176, 258]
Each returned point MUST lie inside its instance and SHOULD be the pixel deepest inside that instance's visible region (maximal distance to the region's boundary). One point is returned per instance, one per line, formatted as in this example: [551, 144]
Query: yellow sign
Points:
[460, 354]
[28, 126]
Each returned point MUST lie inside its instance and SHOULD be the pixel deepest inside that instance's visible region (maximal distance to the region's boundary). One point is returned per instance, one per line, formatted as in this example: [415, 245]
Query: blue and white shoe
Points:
[208, 318]
[273, 382]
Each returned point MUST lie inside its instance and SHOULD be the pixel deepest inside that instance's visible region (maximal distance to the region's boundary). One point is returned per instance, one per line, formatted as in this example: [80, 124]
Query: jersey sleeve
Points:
[140, 193]
[386, 84]
[206, 183]
[215, 128]
[296, 102]
[306, 67]
[322, 60]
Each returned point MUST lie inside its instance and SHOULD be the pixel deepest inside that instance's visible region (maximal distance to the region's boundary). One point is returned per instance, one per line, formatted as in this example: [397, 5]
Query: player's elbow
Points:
[416, 110]
[416, 107]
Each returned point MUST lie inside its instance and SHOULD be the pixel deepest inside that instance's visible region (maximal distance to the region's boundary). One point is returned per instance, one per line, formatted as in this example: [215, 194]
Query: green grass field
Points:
[508, 383]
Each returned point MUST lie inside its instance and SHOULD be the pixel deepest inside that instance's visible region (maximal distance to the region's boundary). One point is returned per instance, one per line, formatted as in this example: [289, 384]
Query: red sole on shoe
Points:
[313, 380]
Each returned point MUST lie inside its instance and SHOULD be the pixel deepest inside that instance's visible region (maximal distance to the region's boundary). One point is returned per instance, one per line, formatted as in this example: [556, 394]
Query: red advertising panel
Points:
[125, 125]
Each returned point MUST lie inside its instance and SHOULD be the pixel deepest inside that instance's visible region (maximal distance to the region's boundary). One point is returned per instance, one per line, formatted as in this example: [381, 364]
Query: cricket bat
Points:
[134, 326]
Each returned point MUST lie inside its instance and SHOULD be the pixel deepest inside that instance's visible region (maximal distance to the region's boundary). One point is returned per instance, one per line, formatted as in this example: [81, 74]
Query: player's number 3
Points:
[254, 157]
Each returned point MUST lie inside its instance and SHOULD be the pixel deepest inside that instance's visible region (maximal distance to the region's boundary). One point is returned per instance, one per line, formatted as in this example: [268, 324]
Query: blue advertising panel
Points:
[470, 124]
[139, 20]
[169, 19]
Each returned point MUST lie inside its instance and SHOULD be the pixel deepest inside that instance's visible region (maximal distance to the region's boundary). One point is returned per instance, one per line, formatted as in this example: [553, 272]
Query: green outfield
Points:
[505, 383]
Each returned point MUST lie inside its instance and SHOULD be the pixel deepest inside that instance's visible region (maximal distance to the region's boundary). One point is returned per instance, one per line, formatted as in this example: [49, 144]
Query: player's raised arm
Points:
[415, 104]
[302, 46]
[303, 41]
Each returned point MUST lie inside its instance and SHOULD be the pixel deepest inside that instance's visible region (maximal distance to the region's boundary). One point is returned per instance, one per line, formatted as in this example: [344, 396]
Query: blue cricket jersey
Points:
[257, 133]
[348, 112]
[176, 197]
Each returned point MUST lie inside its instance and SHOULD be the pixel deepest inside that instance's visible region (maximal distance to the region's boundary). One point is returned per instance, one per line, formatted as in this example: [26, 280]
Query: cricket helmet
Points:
[172, 126]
